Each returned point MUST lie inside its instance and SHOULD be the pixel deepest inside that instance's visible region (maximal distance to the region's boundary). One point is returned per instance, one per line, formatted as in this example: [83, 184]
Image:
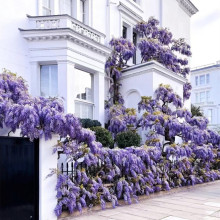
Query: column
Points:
[34, 79]
[47, 192]
[99, 97]
[66, 84]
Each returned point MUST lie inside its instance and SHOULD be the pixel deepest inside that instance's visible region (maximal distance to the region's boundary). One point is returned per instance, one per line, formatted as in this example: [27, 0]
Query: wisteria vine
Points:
[158, 44]
[107, 175]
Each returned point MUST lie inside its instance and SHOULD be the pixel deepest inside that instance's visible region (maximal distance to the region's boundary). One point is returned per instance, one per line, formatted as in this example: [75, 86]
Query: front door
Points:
[19, 178]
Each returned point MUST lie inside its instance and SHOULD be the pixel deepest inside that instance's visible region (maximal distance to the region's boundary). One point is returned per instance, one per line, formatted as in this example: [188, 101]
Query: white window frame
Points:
[200, 97]
[207, 96]
[202, 77]
[196, 80]
[83, 10]
[71, 8]
[51, 8]
[87, 102]
[197, 98]
[50, 75]
[130, 29]
[210, 115]
[207, 78]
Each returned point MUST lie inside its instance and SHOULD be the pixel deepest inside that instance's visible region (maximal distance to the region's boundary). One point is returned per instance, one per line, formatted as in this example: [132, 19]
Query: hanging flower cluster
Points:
[158, 44]
[122, 51]
[121, 119]
[187, 87]
[38, 117]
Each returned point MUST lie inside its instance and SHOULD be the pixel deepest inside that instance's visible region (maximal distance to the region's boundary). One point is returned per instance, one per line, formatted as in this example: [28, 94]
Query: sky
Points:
[205, 33]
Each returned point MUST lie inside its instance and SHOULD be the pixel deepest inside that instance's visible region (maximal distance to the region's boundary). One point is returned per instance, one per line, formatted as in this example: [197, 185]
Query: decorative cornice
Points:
[65, 34]
[188, 7]
[128, 11]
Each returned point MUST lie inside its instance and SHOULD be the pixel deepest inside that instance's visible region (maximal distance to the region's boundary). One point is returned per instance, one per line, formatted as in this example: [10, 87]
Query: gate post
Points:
[47, 192]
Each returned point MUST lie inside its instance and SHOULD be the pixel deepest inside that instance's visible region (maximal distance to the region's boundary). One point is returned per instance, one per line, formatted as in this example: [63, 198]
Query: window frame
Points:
[50, 82]
[207, 81]
[197, 97]
[135, 41]
[84, 101]
[197, 80]
[202, 77]
[210, 116]
[199, 77]
[71, 8]
[83, 11]
[47, 8]
[207, 95]
[200, 97]
[130, 30]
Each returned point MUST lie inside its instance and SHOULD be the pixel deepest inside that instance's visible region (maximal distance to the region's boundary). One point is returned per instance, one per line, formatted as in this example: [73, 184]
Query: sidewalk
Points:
[201, 202]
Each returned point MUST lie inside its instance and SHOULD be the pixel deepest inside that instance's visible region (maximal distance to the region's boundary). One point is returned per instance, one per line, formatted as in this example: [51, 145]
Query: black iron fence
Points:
[69, 169]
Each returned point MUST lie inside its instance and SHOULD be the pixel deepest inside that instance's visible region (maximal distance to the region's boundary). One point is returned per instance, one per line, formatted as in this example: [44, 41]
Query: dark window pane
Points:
[135, 43]
[124, 32]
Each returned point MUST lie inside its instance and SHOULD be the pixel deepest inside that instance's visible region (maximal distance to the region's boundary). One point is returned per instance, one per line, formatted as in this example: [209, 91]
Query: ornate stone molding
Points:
[129, 12]
[65, 34]
[188, 7]
[64, 21]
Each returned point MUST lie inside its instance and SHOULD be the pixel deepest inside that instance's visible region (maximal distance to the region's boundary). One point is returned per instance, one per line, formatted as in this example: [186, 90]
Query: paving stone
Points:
[108, 213]
[216, 214]
[143, 213]
[173, 218]
[214, 204]
[210, 218]
[90, 217]
[154, 208]
[187, 215]
[126, 216]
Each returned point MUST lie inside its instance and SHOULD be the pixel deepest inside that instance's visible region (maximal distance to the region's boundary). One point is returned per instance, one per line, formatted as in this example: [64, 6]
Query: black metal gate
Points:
[19, 178]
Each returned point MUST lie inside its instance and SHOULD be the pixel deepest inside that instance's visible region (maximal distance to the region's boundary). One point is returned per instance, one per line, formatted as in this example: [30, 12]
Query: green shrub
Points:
[128, 139]
[103, 136]
[88, 123]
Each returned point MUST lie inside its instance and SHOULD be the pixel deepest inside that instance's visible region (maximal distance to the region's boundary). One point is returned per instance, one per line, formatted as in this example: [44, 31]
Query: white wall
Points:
[13, 48]
[176, 19]
[47, 192]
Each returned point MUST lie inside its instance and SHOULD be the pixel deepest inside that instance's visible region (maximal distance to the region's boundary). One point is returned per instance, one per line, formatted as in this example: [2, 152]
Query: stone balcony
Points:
[64, 22]
[64, 27]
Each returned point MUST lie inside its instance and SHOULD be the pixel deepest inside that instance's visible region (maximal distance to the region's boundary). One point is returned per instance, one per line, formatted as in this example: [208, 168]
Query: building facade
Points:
[60, 46]
[205, 92]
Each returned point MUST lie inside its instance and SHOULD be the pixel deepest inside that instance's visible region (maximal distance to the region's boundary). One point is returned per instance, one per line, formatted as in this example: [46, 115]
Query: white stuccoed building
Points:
[205, 92]
[60, 48]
